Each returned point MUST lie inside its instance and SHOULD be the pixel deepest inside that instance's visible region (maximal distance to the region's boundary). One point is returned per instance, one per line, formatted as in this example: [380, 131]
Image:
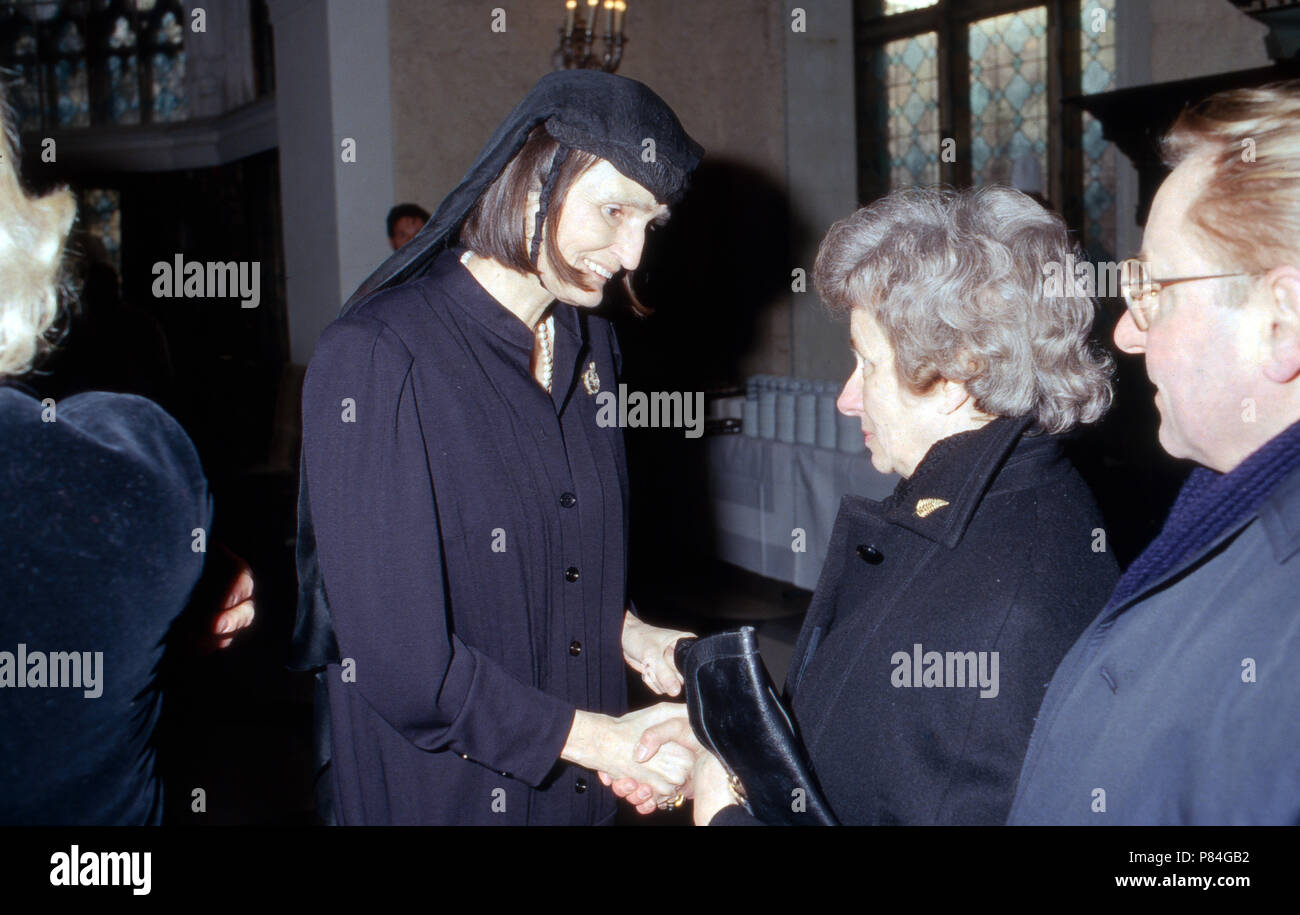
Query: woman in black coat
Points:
[469, 511]
[942, 612]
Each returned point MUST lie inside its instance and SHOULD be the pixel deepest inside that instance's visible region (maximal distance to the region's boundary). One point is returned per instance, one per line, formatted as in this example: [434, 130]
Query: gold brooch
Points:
[590, 380]
[927, 507]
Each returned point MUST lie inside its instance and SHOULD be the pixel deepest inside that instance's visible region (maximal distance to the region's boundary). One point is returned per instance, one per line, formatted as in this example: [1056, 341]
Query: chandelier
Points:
[579, 30]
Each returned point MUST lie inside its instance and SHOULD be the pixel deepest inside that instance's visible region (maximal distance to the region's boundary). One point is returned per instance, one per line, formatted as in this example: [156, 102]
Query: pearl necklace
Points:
[544, 355]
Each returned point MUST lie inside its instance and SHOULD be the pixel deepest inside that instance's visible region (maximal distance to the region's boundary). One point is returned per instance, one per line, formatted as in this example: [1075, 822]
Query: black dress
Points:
[1005, 566]
[471, 531]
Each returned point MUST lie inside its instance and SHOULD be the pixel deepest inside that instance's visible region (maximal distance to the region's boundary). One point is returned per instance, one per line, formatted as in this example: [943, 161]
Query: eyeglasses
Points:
[1141, 291]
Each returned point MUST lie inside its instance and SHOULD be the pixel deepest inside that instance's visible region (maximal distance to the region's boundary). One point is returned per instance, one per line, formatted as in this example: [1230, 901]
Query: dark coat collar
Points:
[942, 495]
[1277, 513]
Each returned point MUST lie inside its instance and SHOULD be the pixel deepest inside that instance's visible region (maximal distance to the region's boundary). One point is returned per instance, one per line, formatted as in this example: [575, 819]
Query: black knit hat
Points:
[609, 116]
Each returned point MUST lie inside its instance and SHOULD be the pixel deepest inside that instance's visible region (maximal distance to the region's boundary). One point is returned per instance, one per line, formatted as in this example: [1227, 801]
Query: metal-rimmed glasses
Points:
[1141, 291]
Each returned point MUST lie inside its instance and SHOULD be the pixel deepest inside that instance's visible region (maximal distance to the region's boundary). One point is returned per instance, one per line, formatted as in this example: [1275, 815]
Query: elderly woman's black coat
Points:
[471, 534]
[994, 544]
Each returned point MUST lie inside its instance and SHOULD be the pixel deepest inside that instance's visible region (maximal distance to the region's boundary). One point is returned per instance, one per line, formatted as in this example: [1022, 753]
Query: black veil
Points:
[609, 116]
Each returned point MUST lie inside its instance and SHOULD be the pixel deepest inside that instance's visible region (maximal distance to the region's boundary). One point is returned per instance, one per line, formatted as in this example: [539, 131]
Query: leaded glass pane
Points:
[1008, 99]
[1097, 67]
[169, 87]
[70, 83]
[101, 216]
[124, 90]
[912, 85]
[70, 40]
[122, 36]
[22, 84]
[169, 31]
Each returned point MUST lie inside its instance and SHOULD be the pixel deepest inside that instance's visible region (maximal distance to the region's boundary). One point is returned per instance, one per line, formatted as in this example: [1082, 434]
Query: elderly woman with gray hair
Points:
[942, 612]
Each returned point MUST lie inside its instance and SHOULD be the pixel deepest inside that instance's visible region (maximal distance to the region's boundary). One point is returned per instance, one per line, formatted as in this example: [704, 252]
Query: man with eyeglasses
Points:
[1180, 704]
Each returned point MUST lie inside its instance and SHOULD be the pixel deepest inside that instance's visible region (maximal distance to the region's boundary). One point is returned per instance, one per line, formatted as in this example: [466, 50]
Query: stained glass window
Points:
[101, 220]
[912, 82]
[18, 50]
[121, 104]
[70, 80]
[1008, 99]
[124, 99]
[1001, 118]
[82, 62]
[168, 70]
[1097, 63]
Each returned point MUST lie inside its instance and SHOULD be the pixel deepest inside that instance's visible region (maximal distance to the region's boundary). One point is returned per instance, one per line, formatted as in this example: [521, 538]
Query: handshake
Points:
[650, 757]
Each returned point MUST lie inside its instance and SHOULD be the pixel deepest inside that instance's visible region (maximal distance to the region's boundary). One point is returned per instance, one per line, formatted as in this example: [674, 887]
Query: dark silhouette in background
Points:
[404, 221]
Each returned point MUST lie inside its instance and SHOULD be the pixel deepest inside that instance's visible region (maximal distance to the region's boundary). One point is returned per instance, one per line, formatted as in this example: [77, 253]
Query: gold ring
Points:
[678, 800]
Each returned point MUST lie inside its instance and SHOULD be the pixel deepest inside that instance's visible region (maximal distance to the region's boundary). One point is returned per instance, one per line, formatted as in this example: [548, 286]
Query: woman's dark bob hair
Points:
[496, 226]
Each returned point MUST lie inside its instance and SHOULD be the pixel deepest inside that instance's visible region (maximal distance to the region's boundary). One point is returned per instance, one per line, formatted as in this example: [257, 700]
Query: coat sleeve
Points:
[374, 508]
[735, 815]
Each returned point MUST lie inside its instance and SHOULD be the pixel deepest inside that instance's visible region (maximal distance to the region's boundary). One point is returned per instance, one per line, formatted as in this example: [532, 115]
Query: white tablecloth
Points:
[763, 489]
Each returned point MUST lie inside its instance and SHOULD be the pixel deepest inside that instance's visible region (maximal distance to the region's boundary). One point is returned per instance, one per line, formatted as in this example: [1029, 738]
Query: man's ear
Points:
[1282, 355]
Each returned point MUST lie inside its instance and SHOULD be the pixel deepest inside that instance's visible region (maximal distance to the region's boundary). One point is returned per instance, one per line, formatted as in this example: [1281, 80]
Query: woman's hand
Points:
[237, 610]
[708, 784]
[712, 789]
[608, 745]
[675, 730]
[649, 651]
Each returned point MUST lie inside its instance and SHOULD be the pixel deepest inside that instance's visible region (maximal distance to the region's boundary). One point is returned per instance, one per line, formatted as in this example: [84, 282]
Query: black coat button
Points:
[575, 648]
[568, 499]
[580, 785]
[571, 573]
[868, 553]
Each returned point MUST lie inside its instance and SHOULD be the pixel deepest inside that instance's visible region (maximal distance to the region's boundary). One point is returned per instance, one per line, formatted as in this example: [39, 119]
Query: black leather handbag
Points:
[737, 715]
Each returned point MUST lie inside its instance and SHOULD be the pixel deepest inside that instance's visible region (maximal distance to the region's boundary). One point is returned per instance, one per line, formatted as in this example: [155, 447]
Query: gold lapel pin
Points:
[927, 507]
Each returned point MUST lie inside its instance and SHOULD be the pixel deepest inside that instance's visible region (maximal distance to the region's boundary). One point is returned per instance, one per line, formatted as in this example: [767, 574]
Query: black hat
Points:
[609, 116]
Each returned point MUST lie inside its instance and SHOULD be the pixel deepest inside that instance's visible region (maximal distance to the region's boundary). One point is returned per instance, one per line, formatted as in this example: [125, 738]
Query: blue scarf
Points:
[1209, 504]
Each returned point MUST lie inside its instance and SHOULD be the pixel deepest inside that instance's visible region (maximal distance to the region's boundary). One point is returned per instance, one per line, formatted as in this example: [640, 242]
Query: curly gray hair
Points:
[955, 280]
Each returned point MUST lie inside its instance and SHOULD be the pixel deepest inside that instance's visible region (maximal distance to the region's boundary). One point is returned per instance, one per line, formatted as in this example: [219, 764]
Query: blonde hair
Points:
[1250, 138]
[33, 232]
